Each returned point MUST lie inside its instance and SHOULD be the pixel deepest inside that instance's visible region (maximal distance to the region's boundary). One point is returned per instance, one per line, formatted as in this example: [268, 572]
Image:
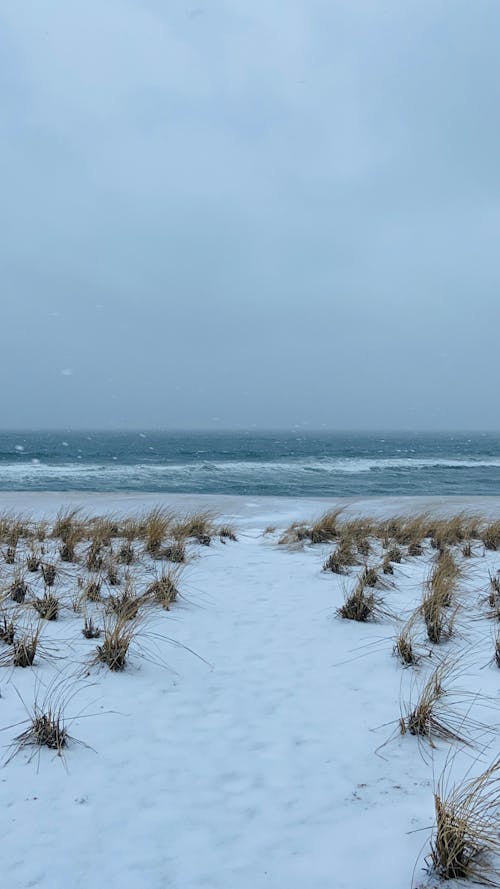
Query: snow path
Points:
[255, 770]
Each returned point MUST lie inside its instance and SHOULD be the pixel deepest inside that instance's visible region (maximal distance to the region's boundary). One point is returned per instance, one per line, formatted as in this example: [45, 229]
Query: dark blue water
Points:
[274, 463]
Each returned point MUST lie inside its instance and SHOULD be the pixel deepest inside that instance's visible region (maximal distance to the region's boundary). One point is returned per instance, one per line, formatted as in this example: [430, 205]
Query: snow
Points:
[251, 764]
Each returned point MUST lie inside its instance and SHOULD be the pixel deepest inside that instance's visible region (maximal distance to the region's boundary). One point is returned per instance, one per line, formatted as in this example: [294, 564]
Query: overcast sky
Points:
[223, 213]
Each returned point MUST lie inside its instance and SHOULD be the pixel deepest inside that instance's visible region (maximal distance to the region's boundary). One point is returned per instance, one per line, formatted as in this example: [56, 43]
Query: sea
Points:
[293, 463]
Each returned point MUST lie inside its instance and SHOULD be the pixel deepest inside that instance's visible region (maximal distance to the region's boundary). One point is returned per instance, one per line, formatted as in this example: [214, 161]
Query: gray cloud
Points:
[266, 213]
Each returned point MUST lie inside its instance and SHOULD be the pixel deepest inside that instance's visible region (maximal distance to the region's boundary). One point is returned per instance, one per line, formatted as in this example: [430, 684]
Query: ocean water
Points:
[293, 463]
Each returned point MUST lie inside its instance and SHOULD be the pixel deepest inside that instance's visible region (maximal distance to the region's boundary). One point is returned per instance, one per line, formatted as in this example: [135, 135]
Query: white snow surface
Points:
[252, 763]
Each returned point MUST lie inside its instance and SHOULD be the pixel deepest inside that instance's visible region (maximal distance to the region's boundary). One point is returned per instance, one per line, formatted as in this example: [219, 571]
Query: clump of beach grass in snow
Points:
[7, 630]
[24, 649]
[91, 589]
[404, 645]
[324, 530]
[296, 533]
[405, 531]
[363, 605]
[65, 523]
[415, 548]
[370, 577]
[125, 605]
[94, 559]
[101, 530]
[112, 575]
[494, 593]
[46, 729]
[387, 566]
[227, 532]
[13, 528]
[32, 562]
[454, 530]
[46, 723]
[126, 554]
[70, 531]
[490, 535]
[114, 650]
[436, 605]
[49, 573]
[394, 554]
[10, 555]
[175, 552]
[341, 559]
[18, 589]
[198, 526]
[439, 618]
[432, 717]
[154, 529]
[47, 606]
[466, 838]
[164, 589]
[90, 630]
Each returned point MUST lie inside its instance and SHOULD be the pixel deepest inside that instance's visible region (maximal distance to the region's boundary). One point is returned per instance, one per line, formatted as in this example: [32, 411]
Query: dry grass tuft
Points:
[92, 590]
[47, 606]
[438, 598]
[154, 529]
[370, 577]
[363, 605]
[394, 554]
[326, 528]
[432, 718]
[490, 535]
[164, 589]
[65, 523]
[404, 646]
[126, 604]
[10, 555]
[199, 527]
[112, 575]
[94, 559]
[46, 724]
[227, 532]
[405, 531]
[466, 837]
[387, 566]
[116, 643]
[101, 530]
[45, 730]
[24, 649]
[7, 631]
[296, 533]
[494, 587]
[32, 562]
[341, 559]
[323, 530]
[90, 630]
[18, 589]
[175, 552]
[415, 549]
[454, 530]
[126, 554]
[49, 573]
[439, 619]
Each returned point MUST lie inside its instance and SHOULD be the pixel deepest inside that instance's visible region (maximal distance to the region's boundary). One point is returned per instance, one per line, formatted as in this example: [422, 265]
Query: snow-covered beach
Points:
[244, 750]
